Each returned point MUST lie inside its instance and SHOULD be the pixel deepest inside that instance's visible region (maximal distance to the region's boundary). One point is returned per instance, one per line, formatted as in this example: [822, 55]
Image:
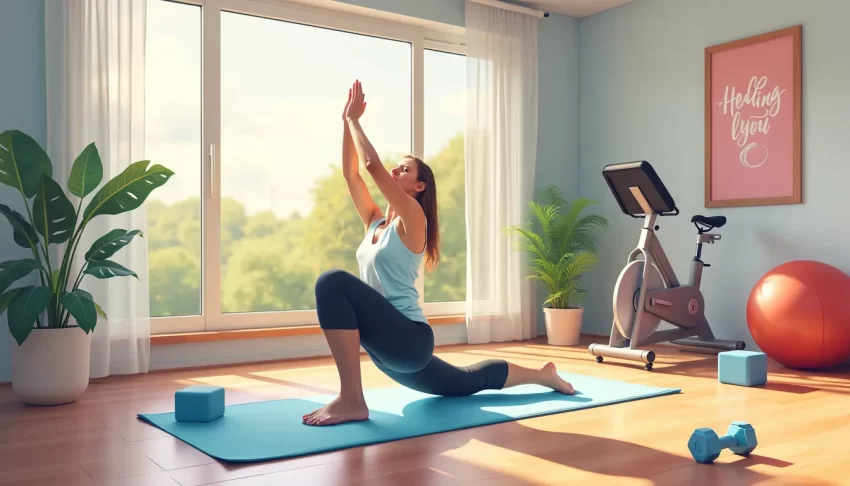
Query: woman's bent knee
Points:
[332, 280]
[330, 293]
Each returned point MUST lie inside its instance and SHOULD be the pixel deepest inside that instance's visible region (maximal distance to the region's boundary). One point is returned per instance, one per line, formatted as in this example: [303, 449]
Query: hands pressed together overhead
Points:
[356, 104]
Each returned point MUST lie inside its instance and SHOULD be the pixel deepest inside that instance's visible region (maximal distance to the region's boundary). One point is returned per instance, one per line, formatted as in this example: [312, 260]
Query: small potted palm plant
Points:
[561, 247]
[52, 319]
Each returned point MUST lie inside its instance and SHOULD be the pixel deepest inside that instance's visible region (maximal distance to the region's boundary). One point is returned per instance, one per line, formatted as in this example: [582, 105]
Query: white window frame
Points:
[434, 309]
[421, 35]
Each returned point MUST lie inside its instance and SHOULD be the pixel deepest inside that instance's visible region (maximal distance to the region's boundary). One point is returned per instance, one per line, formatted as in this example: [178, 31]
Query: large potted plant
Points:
[561, 245]
[53, 319]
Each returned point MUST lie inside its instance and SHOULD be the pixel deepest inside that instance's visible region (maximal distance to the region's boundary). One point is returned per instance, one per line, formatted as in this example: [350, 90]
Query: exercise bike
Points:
[647, 291]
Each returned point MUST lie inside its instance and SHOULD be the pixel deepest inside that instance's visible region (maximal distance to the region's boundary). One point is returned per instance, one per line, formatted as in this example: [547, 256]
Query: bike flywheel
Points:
[626, 294]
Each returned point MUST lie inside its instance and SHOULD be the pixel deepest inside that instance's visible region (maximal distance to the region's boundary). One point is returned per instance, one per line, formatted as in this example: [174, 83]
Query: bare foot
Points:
[556, 382]
[337, 412]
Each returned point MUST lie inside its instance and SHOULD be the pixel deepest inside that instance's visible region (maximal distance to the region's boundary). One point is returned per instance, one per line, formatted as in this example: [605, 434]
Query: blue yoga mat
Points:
[272, 429]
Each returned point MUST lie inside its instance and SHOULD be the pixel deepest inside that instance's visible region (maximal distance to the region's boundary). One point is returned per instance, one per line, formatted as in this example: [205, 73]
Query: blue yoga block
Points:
[199, 404]
[745, 368]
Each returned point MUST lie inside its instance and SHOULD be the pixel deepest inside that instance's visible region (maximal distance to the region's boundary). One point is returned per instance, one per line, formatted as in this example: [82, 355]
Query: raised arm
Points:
[363, 202]
[408, 209]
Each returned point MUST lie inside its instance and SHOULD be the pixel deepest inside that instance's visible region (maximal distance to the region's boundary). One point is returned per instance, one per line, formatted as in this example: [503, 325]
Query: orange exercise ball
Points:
[799, 315]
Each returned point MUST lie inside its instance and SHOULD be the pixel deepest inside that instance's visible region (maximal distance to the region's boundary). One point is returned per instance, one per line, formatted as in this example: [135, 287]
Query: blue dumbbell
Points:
[705, 445]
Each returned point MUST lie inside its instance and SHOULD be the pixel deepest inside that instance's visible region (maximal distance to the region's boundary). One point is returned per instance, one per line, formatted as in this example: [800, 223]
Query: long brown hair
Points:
[428, 200]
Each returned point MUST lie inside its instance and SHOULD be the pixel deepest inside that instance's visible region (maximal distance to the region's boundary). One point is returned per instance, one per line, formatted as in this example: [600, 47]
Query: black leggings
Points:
[400, 347]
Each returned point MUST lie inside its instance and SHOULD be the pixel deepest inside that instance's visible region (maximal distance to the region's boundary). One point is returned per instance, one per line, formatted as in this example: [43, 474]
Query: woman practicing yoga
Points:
[380, 309]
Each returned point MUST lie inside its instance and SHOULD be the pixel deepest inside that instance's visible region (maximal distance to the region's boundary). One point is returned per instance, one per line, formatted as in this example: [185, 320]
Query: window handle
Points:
[212, 170]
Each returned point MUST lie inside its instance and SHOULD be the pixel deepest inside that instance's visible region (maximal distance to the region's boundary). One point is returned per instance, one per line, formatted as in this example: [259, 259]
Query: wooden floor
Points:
[802, 422]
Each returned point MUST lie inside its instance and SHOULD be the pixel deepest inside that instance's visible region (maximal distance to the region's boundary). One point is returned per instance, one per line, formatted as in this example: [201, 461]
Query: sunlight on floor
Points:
[233, 382]
[535, 470]
[442, 473]
[485, 456]
[525, 359]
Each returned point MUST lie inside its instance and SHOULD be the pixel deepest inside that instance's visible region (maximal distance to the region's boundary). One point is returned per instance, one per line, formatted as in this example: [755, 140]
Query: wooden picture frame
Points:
[753, 120]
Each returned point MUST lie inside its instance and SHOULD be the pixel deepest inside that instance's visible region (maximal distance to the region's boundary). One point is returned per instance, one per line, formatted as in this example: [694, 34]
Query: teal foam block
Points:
[199, 403]
[745, 368]
[273, 429]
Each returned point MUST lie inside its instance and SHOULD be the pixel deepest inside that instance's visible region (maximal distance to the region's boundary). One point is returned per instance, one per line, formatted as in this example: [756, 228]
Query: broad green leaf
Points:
[22, 162]
[100, 311]
[12, 271]
[5, 299]
[25, 308]
[86, 173]
[111, 242]
[128, 190]
[53, 214]
[22, 232]
[108, 269]
[80, 304]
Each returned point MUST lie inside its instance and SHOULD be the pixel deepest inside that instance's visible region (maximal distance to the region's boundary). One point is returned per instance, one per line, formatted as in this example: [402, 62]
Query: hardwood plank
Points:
[60, 450]
[158, 479]
[131, 462]
[43, 475]
[800, 419]
[171, 453]
[216, 472]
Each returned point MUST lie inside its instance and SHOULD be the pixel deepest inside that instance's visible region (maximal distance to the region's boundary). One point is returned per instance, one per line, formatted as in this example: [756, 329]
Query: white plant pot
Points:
[563, 326]
[52, 366]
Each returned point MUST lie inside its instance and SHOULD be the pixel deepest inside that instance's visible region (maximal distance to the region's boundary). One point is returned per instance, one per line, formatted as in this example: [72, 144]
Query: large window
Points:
[173, 138]
[244, 102]
[445, 120]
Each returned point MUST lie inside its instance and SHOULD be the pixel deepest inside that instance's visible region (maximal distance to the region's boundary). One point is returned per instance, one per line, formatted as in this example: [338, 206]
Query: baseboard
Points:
[218, 353]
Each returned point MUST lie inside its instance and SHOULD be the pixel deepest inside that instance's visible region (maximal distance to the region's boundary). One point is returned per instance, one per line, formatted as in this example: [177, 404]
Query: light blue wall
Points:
[642, 81]
[22, 107]
[558, 126]
[558, 129]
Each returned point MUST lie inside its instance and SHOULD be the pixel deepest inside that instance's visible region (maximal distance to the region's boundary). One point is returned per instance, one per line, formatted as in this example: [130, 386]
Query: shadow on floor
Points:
[598, 455]
[518, 443]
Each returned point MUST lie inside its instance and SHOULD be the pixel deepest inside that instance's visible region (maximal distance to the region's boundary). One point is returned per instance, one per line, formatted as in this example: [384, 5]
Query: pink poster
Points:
[753, 121]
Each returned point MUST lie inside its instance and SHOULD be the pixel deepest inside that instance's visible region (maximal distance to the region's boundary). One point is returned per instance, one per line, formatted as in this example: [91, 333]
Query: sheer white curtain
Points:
[95, 55]
[501, 153]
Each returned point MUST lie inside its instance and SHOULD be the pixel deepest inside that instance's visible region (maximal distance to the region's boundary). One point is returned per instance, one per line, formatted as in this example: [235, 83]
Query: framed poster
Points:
[753, 122]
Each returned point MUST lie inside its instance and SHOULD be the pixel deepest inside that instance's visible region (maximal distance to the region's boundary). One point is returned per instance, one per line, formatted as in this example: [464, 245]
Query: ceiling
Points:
[573, 8]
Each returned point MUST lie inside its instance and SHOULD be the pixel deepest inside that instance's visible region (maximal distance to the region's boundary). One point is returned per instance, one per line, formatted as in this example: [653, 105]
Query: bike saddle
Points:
[708, 222]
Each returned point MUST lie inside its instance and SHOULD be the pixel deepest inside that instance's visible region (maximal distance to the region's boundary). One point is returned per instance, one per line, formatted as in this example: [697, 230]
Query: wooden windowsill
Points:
[209, 336]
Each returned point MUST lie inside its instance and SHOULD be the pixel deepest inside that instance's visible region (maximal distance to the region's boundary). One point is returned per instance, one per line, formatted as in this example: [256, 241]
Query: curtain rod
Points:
[515, 8]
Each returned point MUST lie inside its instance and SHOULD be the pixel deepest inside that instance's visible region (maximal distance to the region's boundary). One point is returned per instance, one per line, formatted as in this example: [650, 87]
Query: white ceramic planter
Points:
[563, 326]
[52, 366]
